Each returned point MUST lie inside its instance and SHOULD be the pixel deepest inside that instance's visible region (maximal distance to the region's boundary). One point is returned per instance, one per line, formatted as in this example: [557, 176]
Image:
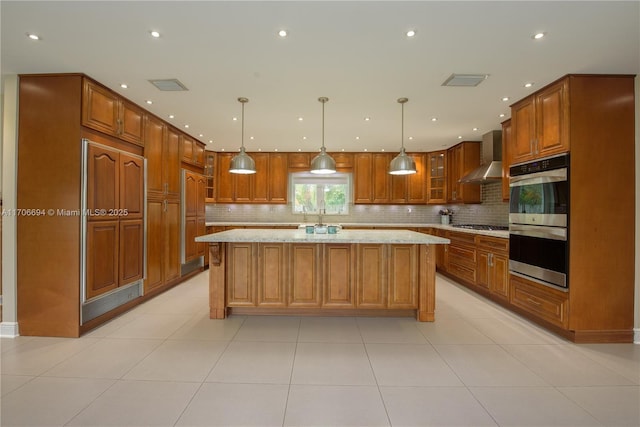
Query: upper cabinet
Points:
[268, 185]
[105, 111]
[210, 177]
[540, 124]
[192, 151]
[462, 159]
[437, 177]
[506, 144]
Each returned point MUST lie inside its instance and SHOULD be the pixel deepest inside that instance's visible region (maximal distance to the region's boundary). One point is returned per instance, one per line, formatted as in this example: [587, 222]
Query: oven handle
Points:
[540, 231]
[556, 175]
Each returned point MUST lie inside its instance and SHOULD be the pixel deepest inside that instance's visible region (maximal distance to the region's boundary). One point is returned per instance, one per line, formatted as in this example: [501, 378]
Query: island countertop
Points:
[343, 236]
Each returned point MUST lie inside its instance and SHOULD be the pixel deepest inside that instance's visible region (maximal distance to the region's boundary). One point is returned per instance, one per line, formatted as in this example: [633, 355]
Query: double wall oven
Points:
[539, 221]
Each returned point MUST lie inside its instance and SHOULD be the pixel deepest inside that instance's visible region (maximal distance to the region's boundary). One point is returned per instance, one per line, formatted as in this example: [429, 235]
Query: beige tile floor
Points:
[166, 364]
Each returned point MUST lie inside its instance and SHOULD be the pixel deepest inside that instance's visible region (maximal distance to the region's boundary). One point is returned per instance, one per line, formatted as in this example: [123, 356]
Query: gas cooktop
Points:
[481, 227]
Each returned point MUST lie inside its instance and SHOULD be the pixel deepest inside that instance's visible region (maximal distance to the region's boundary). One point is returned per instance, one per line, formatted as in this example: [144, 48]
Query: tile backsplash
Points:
[492, 211]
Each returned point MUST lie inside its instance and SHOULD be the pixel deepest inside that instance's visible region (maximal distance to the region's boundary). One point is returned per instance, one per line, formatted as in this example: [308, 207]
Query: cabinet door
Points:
[506, 146]
[131, 186]
[224, 185]
[155, 244]
[416, 183]
[131, 251]
[210, 174]
[340, 276]
[153, 152]
[278, 178]
[371, 276]
[100, 108]
[201, 231]
[381, 181]
[403, 284]
[259, 182]
[362, 180]
[523, 131]
[190, 194]
[240, 275]
[500, 275]
[171, 164]
[552, 120]
[272, 274]
[453, 167]
[131, 123]
[304, 278]
[171, 224]
[198, 154]
[398, 187]
[102, 257]
[300, 160]
[190, 231]
[436, 177]
[201, 184]
[483, 269]
[187, 149]
[103, 188]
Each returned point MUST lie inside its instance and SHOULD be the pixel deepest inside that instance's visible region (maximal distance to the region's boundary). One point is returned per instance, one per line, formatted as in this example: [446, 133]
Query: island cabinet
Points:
[268, 185]
[462, 159]
[105, 111]
[540, 124]
[320, 277]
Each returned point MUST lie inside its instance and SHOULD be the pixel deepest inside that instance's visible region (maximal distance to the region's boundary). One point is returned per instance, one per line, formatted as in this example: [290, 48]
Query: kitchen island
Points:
[351, 273]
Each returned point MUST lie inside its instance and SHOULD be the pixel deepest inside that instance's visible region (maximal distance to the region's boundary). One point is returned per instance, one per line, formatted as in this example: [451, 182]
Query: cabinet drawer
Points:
[465, 273]
[545, 303]
[462, 238]
[493, 244]
[463, 256]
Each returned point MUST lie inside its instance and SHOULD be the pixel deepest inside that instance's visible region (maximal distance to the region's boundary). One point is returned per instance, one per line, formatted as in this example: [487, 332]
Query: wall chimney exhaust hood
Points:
[491, 168]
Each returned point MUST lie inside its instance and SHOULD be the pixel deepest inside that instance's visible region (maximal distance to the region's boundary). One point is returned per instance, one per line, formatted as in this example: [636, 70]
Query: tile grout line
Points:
[293, 364]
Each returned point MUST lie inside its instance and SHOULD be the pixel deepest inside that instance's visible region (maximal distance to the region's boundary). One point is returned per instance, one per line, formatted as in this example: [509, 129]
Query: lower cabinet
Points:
[279, 275]
[461, 257]
[492, 271]
[548, 304]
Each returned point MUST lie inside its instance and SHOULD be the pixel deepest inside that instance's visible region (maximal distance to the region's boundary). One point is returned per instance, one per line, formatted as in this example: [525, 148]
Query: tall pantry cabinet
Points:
[92, 242]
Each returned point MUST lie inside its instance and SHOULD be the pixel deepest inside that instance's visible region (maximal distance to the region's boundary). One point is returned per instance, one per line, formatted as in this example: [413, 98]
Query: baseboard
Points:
[9, 330]
[636, 336]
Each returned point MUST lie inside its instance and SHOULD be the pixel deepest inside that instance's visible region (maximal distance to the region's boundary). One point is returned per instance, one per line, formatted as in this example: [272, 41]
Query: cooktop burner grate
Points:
[482, 227]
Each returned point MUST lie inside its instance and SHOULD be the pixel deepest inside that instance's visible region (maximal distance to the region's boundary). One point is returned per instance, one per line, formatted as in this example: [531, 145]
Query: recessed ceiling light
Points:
[475, 128]
[299, 149]
[259, 149]
[186, 126]
[282, 33]
[148, 101]
[366, 119]
[275, 149]
[201, 135]
[434, 119]
[124, 86]
[505, 98]
[300, 119]
[459, 136]
[411, 138]
[366, 149]
[411, 33]
[154, 34]
[501, 115]
[33, 36]
[342, 149]
[538, 36]
[222, 149]
[235, 119]
[171, 116]
[382, 149]
[357, 137]
[250, 137]
[528, 84]
[211, 141]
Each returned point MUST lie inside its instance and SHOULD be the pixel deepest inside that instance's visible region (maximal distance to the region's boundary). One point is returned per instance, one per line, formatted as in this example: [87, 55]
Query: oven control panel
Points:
[549, 163]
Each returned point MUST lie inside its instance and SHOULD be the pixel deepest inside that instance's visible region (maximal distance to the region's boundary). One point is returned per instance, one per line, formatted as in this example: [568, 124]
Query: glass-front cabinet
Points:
[437, 179]
[209, 174]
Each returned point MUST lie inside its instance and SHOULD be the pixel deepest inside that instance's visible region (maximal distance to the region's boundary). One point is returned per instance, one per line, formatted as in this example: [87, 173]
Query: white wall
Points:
[9, 325]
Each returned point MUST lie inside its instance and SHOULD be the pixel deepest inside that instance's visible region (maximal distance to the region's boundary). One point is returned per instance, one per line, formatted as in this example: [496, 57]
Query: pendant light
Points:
[323, 163]
[402, 164]
[242, 163]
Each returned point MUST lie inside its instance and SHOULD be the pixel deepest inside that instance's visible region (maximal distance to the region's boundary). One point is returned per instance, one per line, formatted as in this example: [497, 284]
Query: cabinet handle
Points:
[533, 301]
[119, 129]
[165, 205]
[166, 188]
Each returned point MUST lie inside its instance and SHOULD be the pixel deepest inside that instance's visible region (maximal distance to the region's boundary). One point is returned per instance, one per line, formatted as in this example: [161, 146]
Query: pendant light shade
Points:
[242, 163]
[323, 163]
[402, 164]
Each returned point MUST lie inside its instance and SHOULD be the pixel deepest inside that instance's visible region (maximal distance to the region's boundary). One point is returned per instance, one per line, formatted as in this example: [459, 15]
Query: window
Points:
[312, 193]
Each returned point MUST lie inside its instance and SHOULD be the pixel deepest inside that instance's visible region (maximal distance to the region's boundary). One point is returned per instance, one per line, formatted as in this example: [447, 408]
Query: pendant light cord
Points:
[242, 132]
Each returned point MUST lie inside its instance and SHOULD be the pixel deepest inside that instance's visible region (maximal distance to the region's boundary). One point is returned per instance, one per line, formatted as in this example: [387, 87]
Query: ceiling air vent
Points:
[465, 79]
[168, 84]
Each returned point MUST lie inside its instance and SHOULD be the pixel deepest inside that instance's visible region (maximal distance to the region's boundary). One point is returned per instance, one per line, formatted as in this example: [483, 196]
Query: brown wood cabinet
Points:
[462, 159]
[506, 144]
[371, 277]
[194, 214]
[493, 265]
[300, 160]
[268, 185]
[192, 151]
[550, 305]
[210, 175]
[540, 124]
[437, 177]
[105, 111]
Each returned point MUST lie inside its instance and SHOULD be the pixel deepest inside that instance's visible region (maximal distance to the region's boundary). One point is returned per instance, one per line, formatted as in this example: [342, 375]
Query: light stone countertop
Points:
[343, 236]
[493, 233]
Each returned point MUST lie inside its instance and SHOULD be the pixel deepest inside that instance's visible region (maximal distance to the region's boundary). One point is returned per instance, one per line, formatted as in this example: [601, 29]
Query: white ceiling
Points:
[354, 53]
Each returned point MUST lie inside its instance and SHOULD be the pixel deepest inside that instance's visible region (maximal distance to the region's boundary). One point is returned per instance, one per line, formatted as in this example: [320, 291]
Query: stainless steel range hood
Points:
[491, 167]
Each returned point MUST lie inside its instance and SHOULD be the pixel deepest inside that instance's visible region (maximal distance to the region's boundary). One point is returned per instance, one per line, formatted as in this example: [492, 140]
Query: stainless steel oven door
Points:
[540, 198]
[539, 253]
